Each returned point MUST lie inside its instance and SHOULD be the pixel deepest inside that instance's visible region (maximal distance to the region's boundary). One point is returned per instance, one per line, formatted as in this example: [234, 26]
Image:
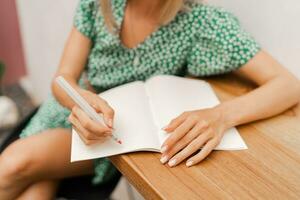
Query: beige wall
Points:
[45, 25]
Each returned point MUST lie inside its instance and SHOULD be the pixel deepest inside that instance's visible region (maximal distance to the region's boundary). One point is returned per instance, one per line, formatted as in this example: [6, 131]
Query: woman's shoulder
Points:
[209, 16]
[88, 4]
[94, 5]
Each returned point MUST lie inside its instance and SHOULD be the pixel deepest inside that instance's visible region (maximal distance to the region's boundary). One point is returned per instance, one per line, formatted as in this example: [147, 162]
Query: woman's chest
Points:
[161, 49]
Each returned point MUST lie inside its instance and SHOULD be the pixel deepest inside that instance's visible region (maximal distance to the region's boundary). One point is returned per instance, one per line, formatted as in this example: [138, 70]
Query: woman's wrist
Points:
[229, 115]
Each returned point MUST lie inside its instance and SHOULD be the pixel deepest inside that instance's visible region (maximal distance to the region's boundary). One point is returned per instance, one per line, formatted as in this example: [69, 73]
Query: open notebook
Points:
[143, 108]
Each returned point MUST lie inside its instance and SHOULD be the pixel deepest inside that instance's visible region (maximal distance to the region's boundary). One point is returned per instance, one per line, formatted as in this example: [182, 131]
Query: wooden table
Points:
[269, 169]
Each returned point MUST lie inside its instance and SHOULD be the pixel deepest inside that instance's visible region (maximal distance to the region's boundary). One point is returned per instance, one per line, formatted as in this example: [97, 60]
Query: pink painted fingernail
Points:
[172, 162]
[163, 149]
[189, 163]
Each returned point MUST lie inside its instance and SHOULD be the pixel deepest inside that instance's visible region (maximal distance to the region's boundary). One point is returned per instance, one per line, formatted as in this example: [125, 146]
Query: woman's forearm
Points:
[60, 95]
[71, 66]
[271, 98]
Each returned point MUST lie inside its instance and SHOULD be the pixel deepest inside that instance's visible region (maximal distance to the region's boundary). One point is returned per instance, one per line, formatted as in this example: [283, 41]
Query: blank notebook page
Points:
[133, 124]
[170, 96]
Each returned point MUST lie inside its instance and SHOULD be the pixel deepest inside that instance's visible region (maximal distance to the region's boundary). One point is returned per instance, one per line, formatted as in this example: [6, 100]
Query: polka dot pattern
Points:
[203, 41]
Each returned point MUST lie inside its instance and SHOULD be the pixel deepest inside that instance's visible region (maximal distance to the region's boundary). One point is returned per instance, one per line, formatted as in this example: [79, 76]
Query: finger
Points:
[204, 152]
[82, 131]
[89, 124]
[89, 141]
[106, 110]
[86, 141]
[194, 146]
[175, 122]
[107, 119]
[179, 132]
[192, 134]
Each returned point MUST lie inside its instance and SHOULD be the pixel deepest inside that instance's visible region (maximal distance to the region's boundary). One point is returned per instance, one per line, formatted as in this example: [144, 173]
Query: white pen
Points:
[79, 100]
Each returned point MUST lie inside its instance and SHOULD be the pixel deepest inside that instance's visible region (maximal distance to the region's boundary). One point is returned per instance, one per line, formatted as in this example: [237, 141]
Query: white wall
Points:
[45, 25]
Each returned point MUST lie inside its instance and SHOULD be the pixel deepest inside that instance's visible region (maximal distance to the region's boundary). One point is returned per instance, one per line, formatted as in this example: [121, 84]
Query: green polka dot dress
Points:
[202, 41]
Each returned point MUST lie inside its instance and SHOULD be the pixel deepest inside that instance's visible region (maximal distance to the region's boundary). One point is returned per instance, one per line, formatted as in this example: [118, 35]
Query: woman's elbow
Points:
[54, 87]
[293, 84]
[297, 90]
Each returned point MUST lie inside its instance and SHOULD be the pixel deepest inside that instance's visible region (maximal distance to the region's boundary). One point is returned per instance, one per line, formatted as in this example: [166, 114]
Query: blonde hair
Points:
[167, 13]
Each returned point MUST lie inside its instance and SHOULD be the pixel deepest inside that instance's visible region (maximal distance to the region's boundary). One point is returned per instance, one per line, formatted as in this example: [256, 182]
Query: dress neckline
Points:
[147, 40]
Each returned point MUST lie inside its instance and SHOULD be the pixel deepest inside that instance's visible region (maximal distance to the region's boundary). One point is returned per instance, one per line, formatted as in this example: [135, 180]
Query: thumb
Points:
[108, 113]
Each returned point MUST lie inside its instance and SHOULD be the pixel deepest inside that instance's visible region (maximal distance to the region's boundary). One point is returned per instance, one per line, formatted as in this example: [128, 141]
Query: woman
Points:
[133, 40]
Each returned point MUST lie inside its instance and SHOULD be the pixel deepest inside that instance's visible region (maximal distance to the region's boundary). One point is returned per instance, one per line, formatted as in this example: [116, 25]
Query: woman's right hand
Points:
[90, 131]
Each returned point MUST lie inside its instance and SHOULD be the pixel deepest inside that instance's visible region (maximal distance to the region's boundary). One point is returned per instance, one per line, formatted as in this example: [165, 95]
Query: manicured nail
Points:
[189, 163]
[172, 163]
[165, 127]
[163, 149]
[164, 159]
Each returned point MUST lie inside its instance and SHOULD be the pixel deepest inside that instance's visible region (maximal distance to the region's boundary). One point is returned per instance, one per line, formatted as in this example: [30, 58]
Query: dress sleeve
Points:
[220, 44]
[85, 17]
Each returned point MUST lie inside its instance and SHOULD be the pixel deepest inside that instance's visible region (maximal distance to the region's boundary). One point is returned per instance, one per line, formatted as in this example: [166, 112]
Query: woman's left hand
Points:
[190, 132]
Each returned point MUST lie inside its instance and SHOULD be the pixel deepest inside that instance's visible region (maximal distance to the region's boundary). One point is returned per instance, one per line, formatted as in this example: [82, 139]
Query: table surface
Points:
[269, 169]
